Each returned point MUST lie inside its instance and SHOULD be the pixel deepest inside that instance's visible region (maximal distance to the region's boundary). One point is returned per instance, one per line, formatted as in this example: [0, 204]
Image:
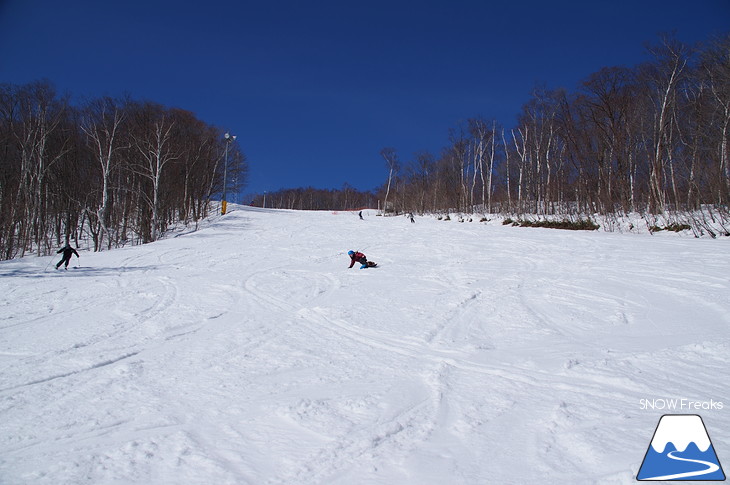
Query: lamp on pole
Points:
[229, 138]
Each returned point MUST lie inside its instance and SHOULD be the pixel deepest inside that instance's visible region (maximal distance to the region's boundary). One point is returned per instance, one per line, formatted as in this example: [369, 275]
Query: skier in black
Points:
[67, 251]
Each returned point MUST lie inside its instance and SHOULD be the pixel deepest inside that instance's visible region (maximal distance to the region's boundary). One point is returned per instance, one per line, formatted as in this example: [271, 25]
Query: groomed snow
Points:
[248, 353]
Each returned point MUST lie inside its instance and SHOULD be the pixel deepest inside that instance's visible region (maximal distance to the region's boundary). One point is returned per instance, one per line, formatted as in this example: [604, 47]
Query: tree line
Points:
[310, 198]
[115, 171]
[650, 138]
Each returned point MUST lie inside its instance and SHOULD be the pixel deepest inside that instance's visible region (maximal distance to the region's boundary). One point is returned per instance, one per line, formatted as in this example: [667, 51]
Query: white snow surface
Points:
[248, 353]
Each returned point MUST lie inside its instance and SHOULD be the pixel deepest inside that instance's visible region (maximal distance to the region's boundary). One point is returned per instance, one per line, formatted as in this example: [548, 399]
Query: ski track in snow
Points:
[247, 352]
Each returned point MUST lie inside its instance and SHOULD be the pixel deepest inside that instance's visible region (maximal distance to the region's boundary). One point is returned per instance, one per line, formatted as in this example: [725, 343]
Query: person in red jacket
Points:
[358, 257]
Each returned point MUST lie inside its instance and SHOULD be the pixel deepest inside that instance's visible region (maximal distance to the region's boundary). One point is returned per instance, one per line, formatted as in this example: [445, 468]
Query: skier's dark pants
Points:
[63, 259]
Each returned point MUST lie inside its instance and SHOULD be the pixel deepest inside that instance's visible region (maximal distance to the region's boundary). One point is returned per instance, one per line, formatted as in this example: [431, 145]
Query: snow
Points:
[248, 353]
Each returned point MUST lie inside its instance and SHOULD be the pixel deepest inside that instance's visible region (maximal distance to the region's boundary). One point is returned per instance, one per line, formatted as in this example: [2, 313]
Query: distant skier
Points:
[67, 251]
[358, 257]
[410, 215]
[360, 214]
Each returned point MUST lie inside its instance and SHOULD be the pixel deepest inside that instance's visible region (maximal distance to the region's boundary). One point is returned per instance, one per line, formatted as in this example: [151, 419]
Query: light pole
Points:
[229, 138]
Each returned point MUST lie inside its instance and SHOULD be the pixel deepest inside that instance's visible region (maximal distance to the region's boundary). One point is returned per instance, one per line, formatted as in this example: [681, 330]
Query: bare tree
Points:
[664, 77]
[715, 68]
[521, 149]
[152, 143]
[41, 143]
[101, 122]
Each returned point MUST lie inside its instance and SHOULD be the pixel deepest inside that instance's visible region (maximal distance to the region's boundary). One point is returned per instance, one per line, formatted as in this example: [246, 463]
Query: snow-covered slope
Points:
[248, 353]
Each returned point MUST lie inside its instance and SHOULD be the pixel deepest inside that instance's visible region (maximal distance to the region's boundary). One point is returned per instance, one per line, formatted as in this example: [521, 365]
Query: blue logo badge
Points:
[681, 450]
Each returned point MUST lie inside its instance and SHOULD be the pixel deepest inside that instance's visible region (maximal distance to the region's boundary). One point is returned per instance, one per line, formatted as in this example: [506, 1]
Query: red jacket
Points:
[357, 257]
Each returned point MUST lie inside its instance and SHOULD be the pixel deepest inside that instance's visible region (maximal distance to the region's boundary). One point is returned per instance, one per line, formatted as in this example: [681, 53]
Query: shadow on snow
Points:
[35, 272]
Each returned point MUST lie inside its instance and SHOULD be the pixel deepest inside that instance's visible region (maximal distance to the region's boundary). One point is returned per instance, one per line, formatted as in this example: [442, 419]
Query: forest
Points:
[650, 139]
[111, 171]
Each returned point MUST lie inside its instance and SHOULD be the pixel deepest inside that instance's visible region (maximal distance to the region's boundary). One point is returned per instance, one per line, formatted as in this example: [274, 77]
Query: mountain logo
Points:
[681, 450]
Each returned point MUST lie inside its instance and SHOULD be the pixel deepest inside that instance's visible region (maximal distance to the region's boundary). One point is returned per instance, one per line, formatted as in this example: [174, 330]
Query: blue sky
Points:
[314, 90]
